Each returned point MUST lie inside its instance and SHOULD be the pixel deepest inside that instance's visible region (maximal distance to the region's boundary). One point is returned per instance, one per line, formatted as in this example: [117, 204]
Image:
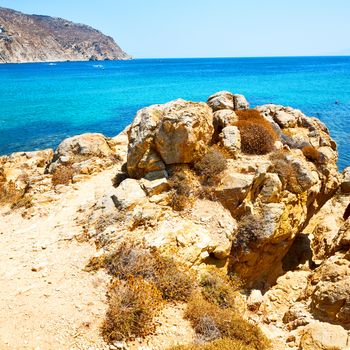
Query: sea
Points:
[43, 103]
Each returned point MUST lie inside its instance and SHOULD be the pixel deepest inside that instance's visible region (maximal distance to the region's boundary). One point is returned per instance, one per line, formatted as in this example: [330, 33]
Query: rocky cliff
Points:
[34, 38]
[213, 188]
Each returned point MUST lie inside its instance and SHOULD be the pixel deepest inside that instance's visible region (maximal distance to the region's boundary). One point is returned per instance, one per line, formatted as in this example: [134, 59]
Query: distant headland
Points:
[35, 38]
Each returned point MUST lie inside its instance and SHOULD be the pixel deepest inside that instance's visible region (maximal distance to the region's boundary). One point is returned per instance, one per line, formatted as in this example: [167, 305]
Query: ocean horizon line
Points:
[178, 58]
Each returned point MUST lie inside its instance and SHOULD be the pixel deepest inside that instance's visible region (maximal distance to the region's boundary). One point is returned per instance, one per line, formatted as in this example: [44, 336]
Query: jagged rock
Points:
[176, 132]
[223, 118]
[255, 299]
[323, 336]
[345, 184]
[87, 153]
[128, 194]
[221, 100]
[231, 140]
[155, 187]
[85, 145]
[285, 120]
[227, 100]
[233, 188]
[330, 291]
[325, 227]
[23, 172]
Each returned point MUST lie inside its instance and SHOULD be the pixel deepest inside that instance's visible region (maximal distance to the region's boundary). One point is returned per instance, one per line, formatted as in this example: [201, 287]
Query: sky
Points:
[209, 28]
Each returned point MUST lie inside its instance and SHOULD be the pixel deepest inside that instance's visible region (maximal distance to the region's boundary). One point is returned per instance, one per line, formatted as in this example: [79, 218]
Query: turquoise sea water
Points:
[41, 104]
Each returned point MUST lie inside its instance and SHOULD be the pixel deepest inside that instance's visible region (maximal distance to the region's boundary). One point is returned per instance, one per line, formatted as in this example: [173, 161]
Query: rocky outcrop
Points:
[34, 38]
[184, 186]
[29, 177]
[173, 133]
[272, 196]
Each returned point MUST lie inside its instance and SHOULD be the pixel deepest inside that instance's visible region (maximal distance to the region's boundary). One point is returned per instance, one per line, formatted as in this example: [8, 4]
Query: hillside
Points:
[34, 38]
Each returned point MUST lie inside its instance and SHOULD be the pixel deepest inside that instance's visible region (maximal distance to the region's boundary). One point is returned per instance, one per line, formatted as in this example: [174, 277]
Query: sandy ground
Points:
[47, 301]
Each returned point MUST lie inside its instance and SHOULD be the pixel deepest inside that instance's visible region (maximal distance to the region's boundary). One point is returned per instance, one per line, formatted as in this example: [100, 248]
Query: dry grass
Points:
[211, 165]
[219, 344]
[212, 322]
[63, 175]
[219, 289]
[312, 154]
[131, 307]
[250, 231]
[23, 202]
[249, 114]
[170, 278]
[286, 172]
[257, 134]
[182, 190]
[10, 194]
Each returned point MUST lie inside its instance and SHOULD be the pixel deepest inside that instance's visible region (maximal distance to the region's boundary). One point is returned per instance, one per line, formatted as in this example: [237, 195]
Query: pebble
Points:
[38, 266]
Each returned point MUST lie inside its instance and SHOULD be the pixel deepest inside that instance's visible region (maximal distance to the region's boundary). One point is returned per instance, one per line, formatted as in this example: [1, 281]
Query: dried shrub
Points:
[286, 172]
[219, 289]
[250, 231]
[131, 260]
[212, 322]
[212, 164]
[170, 278]
[257, 134]
[23, 202]
[312, 154]
[105, 221]
[219, 344]
[181, 191]
[96, 263]
[11, 194]
[132, 305]
[249, 114]
[256, 138]
[63, 175]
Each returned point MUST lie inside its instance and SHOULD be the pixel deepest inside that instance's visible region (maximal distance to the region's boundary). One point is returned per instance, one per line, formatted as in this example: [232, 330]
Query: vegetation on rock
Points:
[257, 134]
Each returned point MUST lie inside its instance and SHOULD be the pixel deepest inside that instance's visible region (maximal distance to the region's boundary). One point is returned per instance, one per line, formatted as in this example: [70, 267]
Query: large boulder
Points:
[85, 145]
[176, 132]
[87, 153]
[324, 336]
[227, 100]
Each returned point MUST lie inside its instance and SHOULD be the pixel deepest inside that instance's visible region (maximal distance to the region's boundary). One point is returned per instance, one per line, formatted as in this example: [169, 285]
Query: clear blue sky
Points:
[210, 28]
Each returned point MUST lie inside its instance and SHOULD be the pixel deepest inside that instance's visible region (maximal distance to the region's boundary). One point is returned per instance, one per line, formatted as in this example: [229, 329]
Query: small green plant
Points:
[132, 305]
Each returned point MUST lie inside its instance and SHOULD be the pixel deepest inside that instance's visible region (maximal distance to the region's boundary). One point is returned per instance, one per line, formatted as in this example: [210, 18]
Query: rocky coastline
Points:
[35, 38]
[254, 194]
